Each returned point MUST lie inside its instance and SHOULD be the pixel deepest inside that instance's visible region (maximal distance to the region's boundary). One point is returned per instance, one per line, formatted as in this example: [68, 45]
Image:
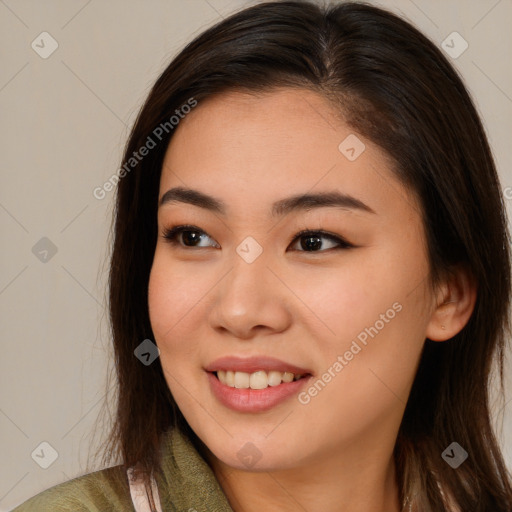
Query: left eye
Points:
[310, 241]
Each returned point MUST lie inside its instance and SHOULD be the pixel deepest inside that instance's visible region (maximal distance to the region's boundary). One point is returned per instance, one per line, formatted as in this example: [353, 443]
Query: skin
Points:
[249, 150]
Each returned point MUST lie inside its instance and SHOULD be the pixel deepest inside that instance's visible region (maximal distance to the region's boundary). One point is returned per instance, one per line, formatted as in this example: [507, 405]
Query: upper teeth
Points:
[256, 380]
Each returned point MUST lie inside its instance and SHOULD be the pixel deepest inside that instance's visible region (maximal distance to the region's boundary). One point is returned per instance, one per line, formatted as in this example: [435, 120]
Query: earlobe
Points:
[455, 303]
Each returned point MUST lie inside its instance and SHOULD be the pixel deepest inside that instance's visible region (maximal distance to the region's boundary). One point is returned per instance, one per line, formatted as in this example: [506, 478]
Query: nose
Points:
[251, 300]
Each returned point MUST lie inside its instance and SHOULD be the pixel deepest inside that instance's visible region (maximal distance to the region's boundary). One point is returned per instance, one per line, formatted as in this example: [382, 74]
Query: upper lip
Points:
[254, 364]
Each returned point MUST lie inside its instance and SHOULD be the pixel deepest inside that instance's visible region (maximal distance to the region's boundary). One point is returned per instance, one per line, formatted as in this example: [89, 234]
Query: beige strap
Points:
[140, 496]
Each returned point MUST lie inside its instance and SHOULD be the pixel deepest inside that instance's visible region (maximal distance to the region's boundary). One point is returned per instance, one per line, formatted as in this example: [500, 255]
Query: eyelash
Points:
[171, 234]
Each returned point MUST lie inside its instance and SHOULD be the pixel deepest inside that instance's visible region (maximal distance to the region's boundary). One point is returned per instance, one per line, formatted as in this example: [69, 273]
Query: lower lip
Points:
[254, 400]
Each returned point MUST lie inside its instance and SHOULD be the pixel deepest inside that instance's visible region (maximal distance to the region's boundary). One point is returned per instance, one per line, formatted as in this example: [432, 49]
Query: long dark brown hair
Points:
[395, 87]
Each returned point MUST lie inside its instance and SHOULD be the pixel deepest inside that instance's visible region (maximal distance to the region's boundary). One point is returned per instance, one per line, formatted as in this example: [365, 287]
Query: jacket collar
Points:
[187, 481]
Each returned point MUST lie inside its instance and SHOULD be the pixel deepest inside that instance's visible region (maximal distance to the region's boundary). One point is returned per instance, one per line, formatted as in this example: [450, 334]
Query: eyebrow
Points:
[299, 202]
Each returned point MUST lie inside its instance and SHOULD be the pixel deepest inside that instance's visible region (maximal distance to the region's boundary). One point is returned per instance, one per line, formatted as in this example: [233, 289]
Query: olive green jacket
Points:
[187, 484]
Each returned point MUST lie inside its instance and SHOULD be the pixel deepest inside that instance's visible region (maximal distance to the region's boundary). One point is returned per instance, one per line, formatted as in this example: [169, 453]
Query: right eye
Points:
[186, 236]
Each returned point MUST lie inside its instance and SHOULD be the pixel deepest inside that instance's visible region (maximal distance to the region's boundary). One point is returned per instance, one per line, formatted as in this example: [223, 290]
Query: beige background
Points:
[64, 121]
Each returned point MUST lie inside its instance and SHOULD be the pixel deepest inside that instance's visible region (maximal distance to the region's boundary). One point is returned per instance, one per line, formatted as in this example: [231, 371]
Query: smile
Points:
[257, 380]
[249, 400]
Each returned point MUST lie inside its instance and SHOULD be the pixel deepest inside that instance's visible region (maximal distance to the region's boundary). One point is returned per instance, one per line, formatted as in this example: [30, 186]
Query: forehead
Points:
[254, 149]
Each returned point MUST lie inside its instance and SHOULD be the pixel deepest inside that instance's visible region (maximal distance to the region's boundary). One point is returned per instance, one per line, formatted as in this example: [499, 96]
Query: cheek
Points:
[386, 339]
[373, 313]
[175, 299]
[176, 304]
[339, 303]
[369, 363]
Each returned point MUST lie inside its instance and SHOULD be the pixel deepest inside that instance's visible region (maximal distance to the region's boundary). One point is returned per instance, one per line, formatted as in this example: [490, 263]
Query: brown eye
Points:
[313, 241]
[187, 236]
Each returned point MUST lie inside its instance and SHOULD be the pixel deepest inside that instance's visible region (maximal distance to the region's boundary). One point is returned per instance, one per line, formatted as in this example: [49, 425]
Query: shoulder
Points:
[106, 490]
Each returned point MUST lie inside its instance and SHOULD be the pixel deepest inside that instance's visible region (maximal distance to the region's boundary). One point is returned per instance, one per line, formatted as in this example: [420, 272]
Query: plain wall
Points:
[64, 120]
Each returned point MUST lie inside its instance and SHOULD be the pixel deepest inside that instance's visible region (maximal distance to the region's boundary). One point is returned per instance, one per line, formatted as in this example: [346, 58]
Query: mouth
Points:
[257, 380]
[255, 392]
[260, 379]
[255, 384]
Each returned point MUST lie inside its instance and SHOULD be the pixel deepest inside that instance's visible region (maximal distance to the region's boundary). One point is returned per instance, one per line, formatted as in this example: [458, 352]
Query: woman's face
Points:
[240, 283]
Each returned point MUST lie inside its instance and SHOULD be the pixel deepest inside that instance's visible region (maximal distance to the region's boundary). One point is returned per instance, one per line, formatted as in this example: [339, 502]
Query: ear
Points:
[455, 302]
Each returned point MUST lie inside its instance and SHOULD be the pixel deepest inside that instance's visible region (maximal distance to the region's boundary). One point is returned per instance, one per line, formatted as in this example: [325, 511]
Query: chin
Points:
[253, 453]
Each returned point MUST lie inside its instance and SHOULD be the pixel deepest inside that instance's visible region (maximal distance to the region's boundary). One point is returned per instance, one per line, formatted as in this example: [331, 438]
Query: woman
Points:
[310, 279]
